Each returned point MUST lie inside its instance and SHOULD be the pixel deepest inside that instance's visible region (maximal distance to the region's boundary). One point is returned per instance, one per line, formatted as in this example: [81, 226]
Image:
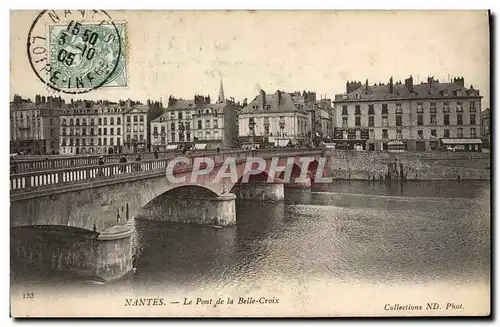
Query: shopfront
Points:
[462, 145]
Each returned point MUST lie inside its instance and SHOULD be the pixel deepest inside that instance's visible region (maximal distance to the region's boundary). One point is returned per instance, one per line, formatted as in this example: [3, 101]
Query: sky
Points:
[182, 53]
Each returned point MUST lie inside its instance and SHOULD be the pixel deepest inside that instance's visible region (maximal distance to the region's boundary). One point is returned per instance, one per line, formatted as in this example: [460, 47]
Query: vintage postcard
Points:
[249, 163]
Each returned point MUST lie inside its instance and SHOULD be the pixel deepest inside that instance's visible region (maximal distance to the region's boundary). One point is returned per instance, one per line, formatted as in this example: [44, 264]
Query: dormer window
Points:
[358, 96]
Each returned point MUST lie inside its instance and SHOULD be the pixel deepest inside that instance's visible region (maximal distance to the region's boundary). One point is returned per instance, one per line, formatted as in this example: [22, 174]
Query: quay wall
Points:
[361, 165]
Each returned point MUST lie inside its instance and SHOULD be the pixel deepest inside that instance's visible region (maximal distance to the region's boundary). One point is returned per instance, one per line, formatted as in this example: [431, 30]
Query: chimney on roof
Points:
[430, 80]
[127, 104]
[352, 86]
[409, 84]
[312, 96]
[278, 93]
[262, 99]
[391, 85]
[17, 99]
[366, 85]
[459, 81]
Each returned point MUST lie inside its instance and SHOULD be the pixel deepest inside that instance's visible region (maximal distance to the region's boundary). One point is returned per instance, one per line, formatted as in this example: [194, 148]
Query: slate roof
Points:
[138, 108]
[420, 91]
[182, 104]
[287, 104]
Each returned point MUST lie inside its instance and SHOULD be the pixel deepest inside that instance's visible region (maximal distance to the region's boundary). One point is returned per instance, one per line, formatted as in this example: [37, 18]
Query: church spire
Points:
[221, 97]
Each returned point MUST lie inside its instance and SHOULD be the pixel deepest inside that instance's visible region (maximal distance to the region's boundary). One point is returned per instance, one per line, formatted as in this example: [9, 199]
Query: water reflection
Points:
[357, 231]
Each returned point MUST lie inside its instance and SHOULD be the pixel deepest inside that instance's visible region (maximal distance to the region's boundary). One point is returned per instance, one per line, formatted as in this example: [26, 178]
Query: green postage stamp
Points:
[83, 51]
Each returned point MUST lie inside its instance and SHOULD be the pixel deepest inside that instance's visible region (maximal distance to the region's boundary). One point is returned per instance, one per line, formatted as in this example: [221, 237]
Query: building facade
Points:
[197, 124]
[110, 128]
[136, 136]
[103, 127]
[34, 126]
[273, 120]
[421, 117]
[78, 130]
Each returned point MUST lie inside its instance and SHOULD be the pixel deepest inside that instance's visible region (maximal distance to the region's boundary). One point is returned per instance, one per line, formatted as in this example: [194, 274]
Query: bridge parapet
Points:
[59, 177]
[24, 166]
[55, 178]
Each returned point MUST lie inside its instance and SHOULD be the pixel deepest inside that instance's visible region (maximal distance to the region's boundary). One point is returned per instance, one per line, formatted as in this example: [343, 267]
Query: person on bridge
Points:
[101, 163]
[123, 160]
[138, 165]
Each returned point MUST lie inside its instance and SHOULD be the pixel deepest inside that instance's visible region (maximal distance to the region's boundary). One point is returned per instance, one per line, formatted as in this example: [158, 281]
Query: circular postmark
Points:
[74, 51]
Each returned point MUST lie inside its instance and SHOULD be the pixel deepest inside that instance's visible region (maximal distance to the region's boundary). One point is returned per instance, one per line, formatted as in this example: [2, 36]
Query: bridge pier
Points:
[219, 211]
[263, 191]
[105, 256]
[114, 253]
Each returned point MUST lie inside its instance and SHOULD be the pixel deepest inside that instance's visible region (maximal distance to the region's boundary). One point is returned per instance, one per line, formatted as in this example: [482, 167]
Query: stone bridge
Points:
[97, 197]
[98, 203]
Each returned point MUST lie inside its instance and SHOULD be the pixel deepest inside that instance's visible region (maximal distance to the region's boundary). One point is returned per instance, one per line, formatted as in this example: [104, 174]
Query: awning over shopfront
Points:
[171, 146]
[461, 141]
[200, 146]
[395, 143]
[283, 142]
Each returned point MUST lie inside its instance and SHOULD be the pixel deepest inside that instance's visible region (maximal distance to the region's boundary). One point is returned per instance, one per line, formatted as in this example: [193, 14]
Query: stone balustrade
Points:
[24, 166]
[53, 178]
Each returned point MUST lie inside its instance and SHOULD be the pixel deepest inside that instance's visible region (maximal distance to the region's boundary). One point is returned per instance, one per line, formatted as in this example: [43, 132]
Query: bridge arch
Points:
[188, 204]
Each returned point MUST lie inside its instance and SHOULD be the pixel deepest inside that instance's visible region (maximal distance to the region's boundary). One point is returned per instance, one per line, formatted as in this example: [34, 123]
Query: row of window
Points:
[88, 111]
[31, 113]
[102, 121]
[358, 134]
[101, 131]
[186, 137]
[399, 108]
[83, 142]
[187, 126]
[100, 141]
[420, 120]
[180, 115]
[446, 133]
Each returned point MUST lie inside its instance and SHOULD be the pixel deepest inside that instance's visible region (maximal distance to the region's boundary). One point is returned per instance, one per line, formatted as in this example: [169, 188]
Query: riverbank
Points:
[431, 166]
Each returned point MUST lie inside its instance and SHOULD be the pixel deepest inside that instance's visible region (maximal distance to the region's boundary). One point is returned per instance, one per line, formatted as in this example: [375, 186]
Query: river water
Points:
[350, 232]
[347, 230]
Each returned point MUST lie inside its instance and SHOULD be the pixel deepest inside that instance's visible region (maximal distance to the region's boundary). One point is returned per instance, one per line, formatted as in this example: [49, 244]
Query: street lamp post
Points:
[252, 132]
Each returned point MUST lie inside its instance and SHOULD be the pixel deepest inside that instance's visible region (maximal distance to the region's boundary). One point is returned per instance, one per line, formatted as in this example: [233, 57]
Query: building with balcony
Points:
[197, 124]
[174, 128]
[136, 136]
[273, 120]
[320, 124]
[34, 126]
[78, 130]
[110, 134]
[419, 117]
